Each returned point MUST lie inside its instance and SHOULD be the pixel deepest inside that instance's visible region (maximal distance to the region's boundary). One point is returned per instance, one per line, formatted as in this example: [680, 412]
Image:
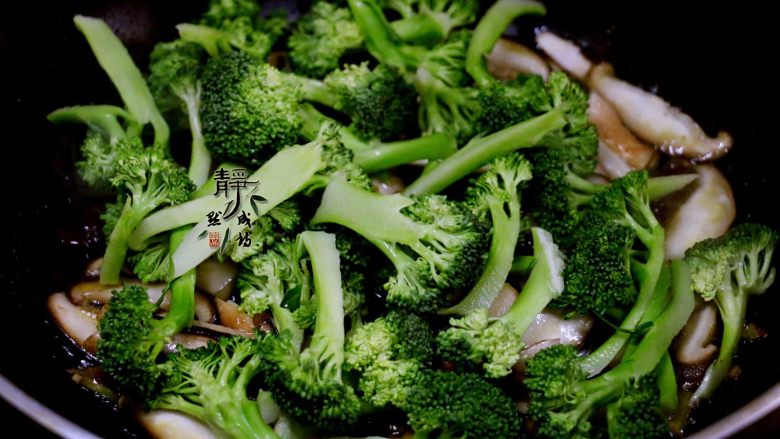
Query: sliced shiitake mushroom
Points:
[78, 324]
[216, 278]
[510, 58]
[165, 424]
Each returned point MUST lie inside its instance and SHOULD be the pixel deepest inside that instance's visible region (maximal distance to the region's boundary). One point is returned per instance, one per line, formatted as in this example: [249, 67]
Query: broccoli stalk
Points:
[114, 59]
[443, 239]
[489, 30]
[309, 385]
[729, 270]
[375, 156]
[102, 119]
[495, 343]
[496, 193]
[563, 400]
[149, 180]
[210, 384]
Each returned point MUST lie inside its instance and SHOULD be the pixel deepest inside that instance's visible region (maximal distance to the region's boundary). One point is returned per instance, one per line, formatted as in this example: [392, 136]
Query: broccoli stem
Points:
[374, 216]
[667, 385]
[101, 118]
[317, 91]
[328, 337]
[113, 57]
[489, 30]
[387, 155]
[659, 187]
[182, 307]
[114, 257]
[506, 230]
[732, 311]
[649, 272]
[522, 265]
[480, 151]
[381, 40]
[420, 29]
[208, 38]
[543, 285]
[200, 157]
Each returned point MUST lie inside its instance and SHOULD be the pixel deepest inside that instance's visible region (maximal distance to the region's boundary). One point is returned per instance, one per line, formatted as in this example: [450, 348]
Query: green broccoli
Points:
[270, 280]
[234, 26]
[620, 230]
[322, 37]
[147, 179]
[563, 125]
[563, 400]
[495, 194]
[248, 109]
[495, 344]
[491, 26]
[378, 156]
[450, 405]
[175, 84]
[211, 384]
[430, 22]
[309, 385]
[434, 244]
[389, 355]
[729, 270]
[152, 264]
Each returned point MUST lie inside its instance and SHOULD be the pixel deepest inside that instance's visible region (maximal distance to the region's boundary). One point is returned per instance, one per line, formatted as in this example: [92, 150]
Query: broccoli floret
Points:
[249, 109]
[446, 404]
[309, 385]
[378, 101]
[563, 401]
[495, 194]
[174, 80]
[557, 196]
[430, 22]
[622, 231]
[496, 343]
[235, 26]
[131, 339]
[322, 37]
[505, 104]
[293, 170]
[277, 279]
[435, 245]
[389, 354]
[148, 179]
[563, 125]
[210, 384]
[111, 215]
[105, 131]
[152, 264]
[729, 270]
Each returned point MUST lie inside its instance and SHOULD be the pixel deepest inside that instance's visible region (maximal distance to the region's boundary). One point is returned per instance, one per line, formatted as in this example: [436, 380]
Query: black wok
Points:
[713, 62]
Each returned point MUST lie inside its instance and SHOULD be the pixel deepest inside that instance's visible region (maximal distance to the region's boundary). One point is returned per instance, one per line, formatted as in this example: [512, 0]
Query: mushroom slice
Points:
[509, 58]
[565, 54]
[165, 424]
[216, 278]
[551, 325]
[232, 317]
[503, 301]
[614, 135]
[707, 213]
[694, 344]
[78, 324]
[93, 292]
[656, 121]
